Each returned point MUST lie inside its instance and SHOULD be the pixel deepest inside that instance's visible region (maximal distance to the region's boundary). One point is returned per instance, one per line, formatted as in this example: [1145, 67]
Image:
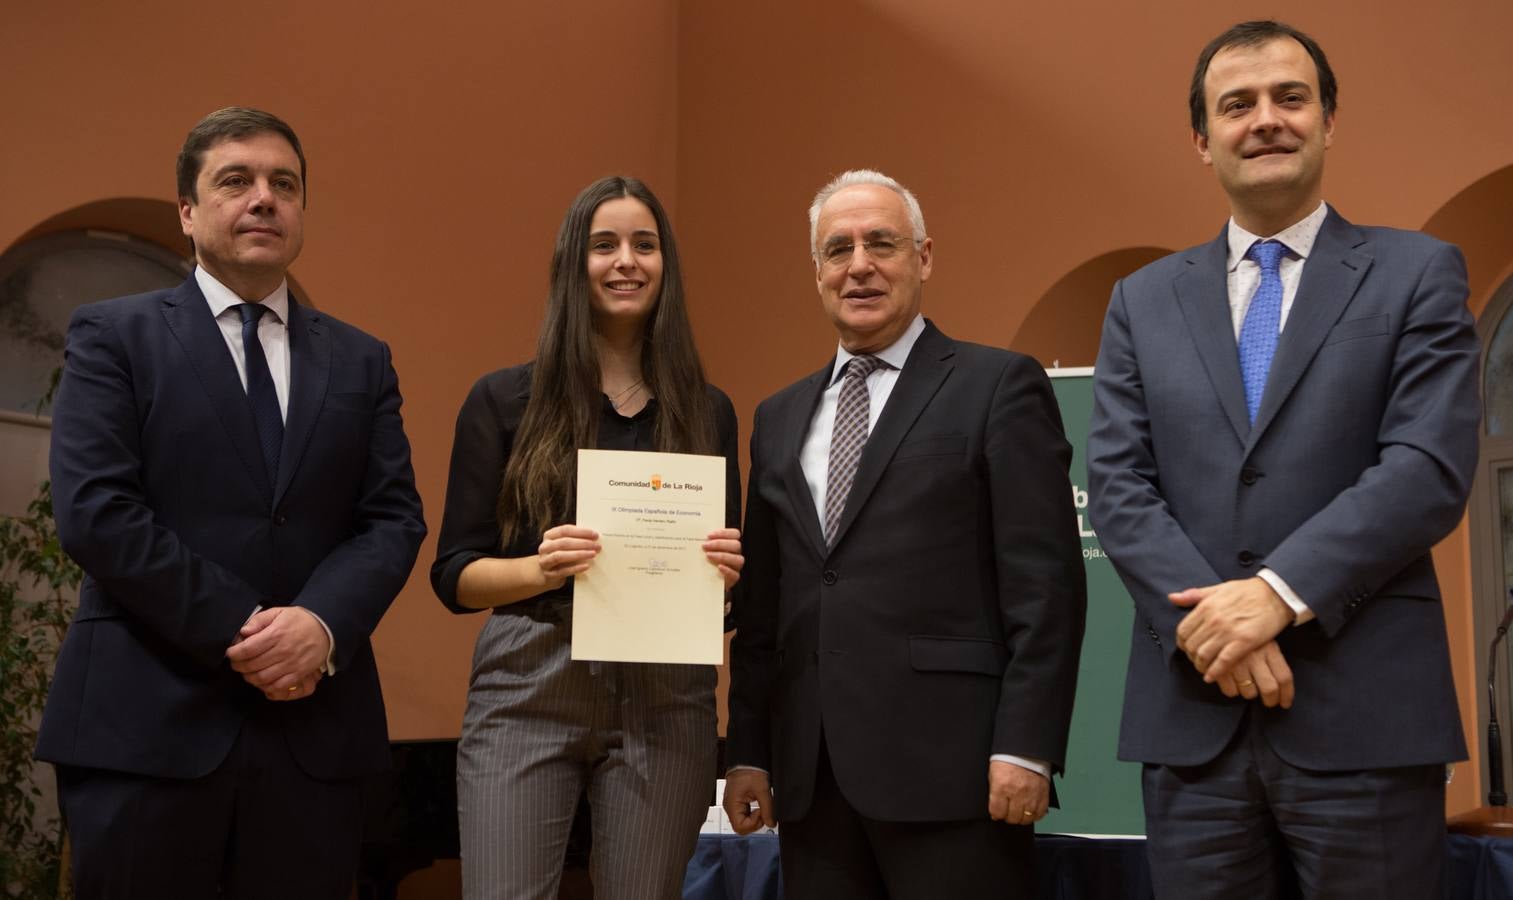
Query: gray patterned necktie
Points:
[847, 440]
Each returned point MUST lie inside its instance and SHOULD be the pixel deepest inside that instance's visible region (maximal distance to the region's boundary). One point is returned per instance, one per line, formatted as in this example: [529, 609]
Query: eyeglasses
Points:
[837, 255]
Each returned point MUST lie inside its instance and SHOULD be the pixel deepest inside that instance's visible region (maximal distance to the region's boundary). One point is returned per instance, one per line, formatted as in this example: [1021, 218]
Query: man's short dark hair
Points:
[1252, 34]
[231, 123]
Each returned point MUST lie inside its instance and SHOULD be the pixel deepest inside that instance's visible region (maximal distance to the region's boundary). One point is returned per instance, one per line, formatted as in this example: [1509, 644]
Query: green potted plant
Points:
[38, 592]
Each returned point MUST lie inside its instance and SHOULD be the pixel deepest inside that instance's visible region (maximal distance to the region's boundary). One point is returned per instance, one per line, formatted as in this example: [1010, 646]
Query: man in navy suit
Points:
[1285, 423]
[230, 470]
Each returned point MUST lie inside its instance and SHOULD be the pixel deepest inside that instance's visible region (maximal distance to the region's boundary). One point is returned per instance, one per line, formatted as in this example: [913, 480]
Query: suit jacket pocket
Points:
[935, 445]
[957, 654]
[1365, 326]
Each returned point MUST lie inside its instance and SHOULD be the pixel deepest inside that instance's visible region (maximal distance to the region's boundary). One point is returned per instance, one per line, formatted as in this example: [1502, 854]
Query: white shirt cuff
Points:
[1301, 614]
[738, 767]
[1034, 765]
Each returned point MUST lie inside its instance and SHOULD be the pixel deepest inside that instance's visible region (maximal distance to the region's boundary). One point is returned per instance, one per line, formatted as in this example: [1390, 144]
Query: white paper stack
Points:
[717, 822]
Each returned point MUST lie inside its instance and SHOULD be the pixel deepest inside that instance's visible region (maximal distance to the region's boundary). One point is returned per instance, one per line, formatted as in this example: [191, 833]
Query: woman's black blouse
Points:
[486, 429]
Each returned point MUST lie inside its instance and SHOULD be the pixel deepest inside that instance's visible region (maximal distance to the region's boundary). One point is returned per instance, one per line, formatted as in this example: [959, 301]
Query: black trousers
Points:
[835, 852]
[256, 827]
[1248, 824]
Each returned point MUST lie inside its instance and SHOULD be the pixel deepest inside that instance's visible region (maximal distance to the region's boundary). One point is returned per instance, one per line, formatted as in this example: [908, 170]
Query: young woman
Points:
[615, 369]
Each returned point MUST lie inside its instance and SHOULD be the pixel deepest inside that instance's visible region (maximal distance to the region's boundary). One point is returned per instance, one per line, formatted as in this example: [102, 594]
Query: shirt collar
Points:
[895, 354]
[1299, 236]
[222, 298]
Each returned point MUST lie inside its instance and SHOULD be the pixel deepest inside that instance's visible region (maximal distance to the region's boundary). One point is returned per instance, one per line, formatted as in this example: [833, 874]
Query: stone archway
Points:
[1064, 326]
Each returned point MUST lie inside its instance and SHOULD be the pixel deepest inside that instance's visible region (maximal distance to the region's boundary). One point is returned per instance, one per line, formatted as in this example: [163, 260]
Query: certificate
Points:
[651, 595]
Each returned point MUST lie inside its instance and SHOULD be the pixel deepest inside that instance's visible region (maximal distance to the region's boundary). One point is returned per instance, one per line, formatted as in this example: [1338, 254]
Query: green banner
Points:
[1099, 794]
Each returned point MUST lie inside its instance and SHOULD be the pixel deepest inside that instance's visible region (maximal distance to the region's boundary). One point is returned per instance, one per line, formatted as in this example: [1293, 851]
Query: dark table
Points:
[728, 867]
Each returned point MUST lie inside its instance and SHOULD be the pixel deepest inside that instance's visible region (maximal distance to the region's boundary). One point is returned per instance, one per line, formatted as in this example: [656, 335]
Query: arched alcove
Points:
[148, 219]
[143, 218]
[1479, 220]
[106, 248]
[43, 279]
[1064, 326]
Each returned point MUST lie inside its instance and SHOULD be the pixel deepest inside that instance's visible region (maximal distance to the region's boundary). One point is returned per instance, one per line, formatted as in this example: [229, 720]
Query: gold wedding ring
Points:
[1028, 814]
[1245, 683]
[293, 688]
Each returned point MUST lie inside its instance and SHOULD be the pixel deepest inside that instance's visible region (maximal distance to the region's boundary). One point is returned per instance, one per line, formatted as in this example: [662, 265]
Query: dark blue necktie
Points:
[1263, 322]
[260, 392]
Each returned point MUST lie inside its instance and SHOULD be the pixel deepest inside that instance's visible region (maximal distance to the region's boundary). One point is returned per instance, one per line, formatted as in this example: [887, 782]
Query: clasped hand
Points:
[281, 651]
[1230, 638]
[569, 550]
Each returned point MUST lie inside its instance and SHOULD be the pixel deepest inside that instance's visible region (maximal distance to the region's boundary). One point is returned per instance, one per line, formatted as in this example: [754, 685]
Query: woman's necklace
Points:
[625, 396]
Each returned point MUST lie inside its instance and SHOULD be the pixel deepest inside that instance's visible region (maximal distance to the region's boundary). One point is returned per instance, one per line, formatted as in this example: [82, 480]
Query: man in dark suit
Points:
[1285, 423]
[911, 610]
[230, 470]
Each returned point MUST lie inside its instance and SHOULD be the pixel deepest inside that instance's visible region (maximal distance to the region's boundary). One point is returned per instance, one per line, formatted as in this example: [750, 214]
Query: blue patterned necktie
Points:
[852, 415]
[260, 392]
[1263, 322]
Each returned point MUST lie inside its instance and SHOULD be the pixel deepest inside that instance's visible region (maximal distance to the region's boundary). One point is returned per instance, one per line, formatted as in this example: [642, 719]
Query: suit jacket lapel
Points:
[189, 319]
[1203, 295]
[924, 371]
[1331, 275]
[309, 373]
[795, 428]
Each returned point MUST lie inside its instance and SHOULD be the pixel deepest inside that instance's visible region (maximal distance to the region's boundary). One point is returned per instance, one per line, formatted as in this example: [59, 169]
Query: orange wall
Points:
[1048, 144]
[444, 143]
[1049, 147]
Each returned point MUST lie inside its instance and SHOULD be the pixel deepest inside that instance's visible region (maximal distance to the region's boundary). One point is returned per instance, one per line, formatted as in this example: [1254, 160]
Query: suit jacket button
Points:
[280, 519]
[829, 577]
[1246, 558]
[1249, 476]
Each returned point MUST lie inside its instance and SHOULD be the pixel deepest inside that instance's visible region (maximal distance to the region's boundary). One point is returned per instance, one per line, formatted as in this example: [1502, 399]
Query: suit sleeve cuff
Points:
[1034, 765]
[1301, 614]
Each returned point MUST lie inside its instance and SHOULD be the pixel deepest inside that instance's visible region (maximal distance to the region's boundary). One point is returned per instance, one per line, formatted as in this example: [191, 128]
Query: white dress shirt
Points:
[273, 334]
[1244, 279]
[272, 331]
[815, 455]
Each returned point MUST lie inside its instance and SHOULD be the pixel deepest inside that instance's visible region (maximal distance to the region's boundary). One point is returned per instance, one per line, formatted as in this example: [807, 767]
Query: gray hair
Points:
[859, 177]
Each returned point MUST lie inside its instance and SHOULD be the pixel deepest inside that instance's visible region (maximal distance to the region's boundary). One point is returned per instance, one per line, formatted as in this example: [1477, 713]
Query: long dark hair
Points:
[563, 412]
